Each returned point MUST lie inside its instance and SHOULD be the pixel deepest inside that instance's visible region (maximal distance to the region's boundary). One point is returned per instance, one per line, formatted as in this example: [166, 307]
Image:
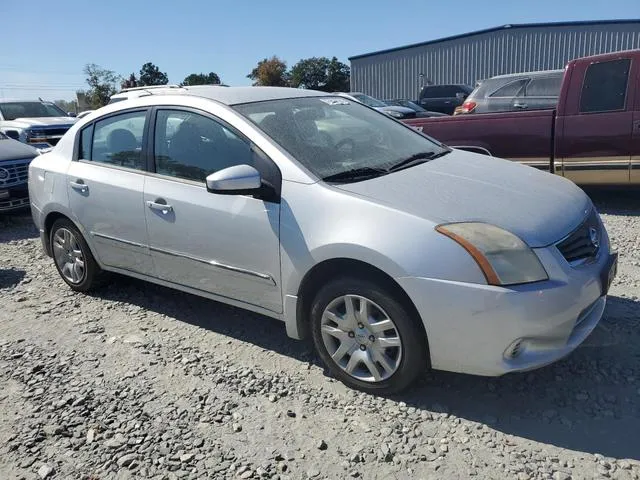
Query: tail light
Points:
[466, 107]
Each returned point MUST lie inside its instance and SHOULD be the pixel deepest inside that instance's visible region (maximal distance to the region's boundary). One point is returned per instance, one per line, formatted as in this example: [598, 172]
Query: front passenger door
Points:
[228, 245]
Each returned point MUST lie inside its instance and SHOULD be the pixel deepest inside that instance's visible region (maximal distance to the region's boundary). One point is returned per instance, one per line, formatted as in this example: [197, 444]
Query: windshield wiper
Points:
[362, 173]
[416, 159]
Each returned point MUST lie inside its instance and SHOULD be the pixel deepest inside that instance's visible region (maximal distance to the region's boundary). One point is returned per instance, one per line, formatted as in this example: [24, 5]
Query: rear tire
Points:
[73, 258]
[367, 337]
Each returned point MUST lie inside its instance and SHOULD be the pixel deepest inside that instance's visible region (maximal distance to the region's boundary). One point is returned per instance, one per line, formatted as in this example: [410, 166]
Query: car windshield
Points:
[413, 106]
[13, 110]
[334, 135]
[369, 101]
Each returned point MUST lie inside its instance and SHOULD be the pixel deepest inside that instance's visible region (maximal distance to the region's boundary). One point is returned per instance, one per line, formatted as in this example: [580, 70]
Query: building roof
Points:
[497, 29]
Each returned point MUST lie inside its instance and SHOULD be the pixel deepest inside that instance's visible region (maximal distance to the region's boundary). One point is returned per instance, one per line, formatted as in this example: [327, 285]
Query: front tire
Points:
[367, 337]
[72, 257]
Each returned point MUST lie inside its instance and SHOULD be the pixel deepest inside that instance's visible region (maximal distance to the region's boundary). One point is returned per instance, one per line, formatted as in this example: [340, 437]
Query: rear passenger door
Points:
[105, 184]
[539, 94]
[506, 98]
[594, 135]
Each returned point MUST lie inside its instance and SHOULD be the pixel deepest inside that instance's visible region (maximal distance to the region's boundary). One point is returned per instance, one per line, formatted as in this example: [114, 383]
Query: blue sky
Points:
[44, 53]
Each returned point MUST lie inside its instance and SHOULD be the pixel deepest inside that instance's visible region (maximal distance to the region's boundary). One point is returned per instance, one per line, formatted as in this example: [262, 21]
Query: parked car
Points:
[396, 255]
[443, 98]
[391, 110]
[35, 122]
[420, 112]
[14, 164]
[592, 137]
[517, 91]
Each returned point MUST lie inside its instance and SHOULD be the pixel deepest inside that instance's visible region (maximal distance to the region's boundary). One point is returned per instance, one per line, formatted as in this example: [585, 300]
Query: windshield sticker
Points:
[335, 101]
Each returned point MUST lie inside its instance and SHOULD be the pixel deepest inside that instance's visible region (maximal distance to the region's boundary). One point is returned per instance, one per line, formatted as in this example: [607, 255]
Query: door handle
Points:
[79, 186]
[519, 105]
[160, 207]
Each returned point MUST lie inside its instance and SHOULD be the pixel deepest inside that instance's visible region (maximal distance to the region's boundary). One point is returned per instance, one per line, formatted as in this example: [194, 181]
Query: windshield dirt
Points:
[334, 135]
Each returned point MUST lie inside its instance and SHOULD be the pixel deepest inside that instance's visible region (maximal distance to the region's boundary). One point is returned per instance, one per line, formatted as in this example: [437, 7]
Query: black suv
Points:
[443, 98]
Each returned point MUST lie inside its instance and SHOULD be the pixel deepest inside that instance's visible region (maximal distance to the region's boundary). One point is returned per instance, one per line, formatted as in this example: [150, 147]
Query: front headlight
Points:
[395, 114]
[503, 257]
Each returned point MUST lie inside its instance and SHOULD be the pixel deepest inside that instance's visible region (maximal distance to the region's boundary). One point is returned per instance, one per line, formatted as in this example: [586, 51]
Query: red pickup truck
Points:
[591, 137]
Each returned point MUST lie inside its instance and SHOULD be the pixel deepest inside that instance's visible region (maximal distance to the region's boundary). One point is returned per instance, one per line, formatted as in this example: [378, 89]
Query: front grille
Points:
[50, 135]
[583, 243]
[14, 172]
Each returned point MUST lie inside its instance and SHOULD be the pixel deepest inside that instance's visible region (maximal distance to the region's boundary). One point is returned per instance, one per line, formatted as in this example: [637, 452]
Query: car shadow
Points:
[586, 402]
[10, 277]
[16, 226]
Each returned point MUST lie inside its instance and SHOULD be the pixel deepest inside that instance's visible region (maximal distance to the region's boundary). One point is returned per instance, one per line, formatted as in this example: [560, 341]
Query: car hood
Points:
[42, 121]
[14, 150]
[538, 207]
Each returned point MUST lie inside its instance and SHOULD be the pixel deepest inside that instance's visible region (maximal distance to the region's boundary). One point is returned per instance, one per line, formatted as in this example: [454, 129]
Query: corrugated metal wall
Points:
[396, 74]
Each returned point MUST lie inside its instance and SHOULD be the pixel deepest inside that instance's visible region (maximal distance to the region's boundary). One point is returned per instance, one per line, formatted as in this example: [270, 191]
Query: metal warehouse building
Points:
[401, 72]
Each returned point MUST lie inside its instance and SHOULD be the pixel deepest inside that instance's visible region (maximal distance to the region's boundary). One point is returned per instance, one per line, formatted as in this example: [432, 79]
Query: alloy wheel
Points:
[361, 338]
[68, 256]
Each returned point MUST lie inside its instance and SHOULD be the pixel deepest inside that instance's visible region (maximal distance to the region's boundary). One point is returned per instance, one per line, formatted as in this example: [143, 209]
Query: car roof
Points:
[528, 74]
[238, 95]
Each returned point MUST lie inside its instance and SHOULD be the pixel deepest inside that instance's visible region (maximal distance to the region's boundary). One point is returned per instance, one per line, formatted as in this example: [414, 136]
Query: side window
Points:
[605, 86]
[117, 140]
[191, 146]
[85, 142]
[510, 89]
[544, 87]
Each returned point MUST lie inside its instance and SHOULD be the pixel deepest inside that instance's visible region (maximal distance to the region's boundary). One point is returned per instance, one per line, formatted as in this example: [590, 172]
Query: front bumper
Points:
[14, 198]
[489, 330]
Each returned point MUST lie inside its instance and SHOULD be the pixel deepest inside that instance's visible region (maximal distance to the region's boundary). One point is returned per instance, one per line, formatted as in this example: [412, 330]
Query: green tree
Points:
[202, 79]
[151, 75]
[270, 72]
[320, 73]
[102, 84]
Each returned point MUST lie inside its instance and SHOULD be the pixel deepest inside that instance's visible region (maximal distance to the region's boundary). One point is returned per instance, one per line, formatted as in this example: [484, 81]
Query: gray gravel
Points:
[139, 381]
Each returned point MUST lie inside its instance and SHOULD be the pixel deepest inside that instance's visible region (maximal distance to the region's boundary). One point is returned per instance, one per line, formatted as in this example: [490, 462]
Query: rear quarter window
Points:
[605, 86]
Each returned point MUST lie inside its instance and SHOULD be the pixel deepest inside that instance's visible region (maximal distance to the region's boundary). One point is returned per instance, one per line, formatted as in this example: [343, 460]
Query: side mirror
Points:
[12, 134]
[71, 114]
[236, 180]
[461, 96]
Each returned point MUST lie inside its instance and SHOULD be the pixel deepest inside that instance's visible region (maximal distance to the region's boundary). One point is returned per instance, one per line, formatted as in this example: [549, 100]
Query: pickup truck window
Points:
[605, 86]
[13, 110]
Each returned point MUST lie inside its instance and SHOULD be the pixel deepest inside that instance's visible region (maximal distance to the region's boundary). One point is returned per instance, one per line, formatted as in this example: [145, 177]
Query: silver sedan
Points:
[393, 252]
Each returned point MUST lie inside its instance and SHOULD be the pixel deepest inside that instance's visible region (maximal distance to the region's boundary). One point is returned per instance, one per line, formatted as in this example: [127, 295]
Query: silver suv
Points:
[517, 91]
[392, 251]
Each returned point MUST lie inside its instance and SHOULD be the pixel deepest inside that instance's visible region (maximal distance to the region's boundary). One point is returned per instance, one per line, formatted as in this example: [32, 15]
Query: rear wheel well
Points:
[346, 267]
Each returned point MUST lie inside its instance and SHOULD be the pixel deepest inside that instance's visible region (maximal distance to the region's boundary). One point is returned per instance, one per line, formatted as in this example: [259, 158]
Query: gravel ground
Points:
[139, 381]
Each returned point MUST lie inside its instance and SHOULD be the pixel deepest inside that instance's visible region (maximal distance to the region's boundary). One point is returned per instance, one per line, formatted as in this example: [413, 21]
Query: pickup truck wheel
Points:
[366, 337]
[72, 257]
